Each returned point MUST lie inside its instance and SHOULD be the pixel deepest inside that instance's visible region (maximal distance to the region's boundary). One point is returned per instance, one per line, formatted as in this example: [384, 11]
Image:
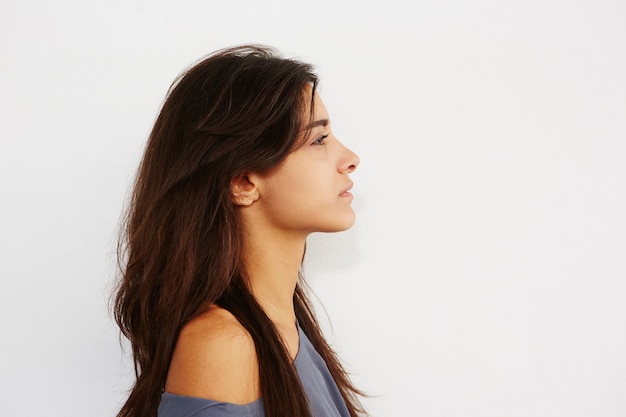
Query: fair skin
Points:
[309, 192]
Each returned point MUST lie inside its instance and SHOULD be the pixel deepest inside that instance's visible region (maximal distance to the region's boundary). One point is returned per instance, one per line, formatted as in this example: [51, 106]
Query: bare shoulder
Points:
[214, 358]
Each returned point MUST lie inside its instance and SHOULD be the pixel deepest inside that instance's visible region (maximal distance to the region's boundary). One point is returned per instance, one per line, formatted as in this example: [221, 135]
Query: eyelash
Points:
[320, 141]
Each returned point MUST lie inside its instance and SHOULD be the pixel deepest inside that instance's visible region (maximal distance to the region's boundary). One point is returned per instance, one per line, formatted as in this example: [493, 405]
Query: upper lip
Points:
[348, 187]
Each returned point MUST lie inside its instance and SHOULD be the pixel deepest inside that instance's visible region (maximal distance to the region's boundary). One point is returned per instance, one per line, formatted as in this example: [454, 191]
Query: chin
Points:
[340, 226]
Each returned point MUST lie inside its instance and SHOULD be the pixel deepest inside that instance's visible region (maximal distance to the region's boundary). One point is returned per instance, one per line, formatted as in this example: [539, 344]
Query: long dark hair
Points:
[237, 111]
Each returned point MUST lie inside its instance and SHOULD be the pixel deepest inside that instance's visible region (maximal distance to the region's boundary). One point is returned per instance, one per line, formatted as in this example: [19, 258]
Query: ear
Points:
[243, 191]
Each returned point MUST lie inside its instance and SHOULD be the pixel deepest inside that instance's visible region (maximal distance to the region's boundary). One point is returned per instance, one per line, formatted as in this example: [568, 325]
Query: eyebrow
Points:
[315, 123]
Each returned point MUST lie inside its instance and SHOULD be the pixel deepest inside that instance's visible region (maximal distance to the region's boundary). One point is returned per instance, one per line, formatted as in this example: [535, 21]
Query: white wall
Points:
[486, 273]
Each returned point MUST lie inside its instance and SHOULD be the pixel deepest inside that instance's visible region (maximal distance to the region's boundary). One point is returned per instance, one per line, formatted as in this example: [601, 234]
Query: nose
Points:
[350, 161]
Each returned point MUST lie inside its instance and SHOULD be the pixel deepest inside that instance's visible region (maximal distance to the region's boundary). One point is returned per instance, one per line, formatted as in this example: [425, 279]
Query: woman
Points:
[241, 166]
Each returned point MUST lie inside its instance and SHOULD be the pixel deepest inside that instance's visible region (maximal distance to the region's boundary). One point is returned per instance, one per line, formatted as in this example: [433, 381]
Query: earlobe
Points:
[243, 191]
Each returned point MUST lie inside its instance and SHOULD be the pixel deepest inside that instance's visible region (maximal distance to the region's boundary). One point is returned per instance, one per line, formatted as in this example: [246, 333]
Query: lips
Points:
[346, 190]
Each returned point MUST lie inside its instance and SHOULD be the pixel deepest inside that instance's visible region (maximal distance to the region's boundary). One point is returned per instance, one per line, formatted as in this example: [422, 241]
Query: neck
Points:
[272, 264]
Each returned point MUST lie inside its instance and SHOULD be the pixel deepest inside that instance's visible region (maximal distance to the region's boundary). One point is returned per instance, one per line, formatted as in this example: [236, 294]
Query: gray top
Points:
[320, 388]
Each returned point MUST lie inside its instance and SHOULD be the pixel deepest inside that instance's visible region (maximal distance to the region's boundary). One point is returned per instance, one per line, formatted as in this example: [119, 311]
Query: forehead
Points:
[319, 109]
[319, 115]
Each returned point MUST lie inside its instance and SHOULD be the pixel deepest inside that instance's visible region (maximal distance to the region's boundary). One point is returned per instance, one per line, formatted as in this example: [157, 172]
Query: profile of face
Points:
[310, 191]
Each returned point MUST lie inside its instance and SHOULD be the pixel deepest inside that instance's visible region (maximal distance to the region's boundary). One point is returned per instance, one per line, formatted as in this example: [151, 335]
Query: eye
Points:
[320, 140]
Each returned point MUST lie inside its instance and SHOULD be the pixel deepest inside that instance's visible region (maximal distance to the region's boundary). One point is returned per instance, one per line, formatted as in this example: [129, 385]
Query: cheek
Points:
[293, 193]
[307, 180]
[298, 192]
[299, 176]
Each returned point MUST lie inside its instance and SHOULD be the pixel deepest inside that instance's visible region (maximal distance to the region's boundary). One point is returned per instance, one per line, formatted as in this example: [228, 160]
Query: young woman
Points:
[241, 166]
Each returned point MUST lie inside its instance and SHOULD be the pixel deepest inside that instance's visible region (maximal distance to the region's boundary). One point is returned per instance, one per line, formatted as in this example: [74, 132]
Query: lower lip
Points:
[345, 194]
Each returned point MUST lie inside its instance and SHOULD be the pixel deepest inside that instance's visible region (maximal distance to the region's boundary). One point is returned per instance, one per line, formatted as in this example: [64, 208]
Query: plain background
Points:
[486, 273]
